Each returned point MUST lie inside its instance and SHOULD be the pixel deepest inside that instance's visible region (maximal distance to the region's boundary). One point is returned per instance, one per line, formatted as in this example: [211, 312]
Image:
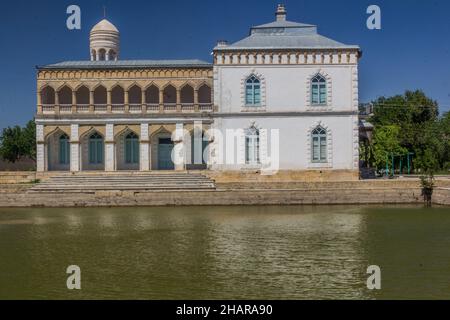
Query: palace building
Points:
[285, 98]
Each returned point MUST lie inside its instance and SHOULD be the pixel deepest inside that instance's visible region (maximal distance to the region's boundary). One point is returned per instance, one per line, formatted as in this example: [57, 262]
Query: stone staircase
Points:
[90, 183]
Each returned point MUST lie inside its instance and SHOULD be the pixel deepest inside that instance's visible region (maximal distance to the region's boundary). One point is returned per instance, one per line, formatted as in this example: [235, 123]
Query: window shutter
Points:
[323, 93]
[323, 148]
[257, 94]
[99, 152]
[135, 151]
[127, 151]
[314, 94]
[91, 151]
[315, 147]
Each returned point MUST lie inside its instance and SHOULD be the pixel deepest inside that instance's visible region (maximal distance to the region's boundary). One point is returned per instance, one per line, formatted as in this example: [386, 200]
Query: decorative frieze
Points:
[287, 57]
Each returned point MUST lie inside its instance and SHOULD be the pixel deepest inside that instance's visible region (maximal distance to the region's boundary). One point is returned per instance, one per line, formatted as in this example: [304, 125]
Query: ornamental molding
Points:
[262, 79]
[124, 74]
[308, 104]
[225, 57]
[319, 165]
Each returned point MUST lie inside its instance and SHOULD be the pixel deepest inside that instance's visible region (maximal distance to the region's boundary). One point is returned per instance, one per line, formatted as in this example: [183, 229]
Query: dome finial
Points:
[281, 13]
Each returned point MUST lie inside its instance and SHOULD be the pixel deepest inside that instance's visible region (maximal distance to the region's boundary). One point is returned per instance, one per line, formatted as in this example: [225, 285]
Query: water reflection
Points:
[222, 252]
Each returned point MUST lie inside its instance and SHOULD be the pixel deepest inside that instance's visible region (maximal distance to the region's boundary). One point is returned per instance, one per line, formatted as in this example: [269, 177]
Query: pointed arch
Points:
[135, 94]
[204, 94]
[253, 91]
[65, 95]
[152, 94]
[252, 145]
[162, 146]
[117, 95]
[319, 91]
[57, 151]
[82, 95]
[101, 55]
[187, 94]
[320, 146]
[170, 94]
[48, 95]
[100, 95]
[127, 149]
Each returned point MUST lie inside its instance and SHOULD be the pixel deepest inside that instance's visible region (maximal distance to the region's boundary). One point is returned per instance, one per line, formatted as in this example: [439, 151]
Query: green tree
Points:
[385, 143]
[17, 142]
[444, 129]
[419, 129]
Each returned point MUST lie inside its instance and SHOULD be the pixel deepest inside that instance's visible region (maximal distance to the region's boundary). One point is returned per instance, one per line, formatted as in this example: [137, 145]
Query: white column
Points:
[74, 148]
[109, 148]
[178, 151]
[144, 148]
[40, 148]
[197, 148]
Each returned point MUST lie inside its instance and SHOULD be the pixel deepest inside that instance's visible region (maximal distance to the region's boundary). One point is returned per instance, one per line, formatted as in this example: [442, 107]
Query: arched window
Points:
[253, 91]
[65, 96]
[318, 90]
[187, 94]
[112, 55]
[48, 96]
[319, 145]
[64, 149]
[204, 94]
[101, 55]
[95, 149]
[152, 95]
[131, 148]
[252, 146]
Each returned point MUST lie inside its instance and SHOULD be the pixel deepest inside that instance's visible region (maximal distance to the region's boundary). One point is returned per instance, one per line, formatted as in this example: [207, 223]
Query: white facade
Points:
[283, 99]
[285, 73]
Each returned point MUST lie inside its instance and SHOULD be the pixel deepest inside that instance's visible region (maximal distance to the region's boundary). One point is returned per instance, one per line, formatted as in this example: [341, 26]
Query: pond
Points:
[271, 252]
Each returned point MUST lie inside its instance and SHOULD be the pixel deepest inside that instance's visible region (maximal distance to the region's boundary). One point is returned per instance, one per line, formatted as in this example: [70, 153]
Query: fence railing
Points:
[122, 108]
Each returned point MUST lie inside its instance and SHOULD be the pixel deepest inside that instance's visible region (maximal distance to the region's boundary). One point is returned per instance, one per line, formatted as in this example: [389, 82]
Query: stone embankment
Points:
[159, 189]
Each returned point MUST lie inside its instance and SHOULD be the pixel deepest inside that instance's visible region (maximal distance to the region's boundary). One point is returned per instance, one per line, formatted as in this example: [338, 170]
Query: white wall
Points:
[286, 86]
[294, 140]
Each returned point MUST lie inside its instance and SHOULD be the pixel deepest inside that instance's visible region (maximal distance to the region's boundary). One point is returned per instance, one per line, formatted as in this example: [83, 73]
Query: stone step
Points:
[152, 182]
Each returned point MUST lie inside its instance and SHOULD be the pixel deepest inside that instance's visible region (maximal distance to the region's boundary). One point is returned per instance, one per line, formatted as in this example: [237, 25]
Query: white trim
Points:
[308, 104]
[319, 165]
[262, 79]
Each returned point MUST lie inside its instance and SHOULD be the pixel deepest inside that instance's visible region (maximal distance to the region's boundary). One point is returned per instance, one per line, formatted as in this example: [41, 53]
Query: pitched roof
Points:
[285, 35]
[126, 64]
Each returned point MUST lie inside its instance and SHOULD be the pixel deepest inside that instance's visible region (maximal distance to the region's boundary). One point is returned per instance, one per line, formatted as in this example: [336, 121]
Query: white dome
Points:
[104, 42]
[104, 25]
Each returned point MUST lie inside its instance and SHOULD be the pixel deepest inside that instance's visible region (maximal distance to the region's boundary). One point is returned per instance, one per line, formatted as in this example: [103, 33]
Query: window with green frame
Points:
[131, 148]
[96, 149]
[252, 91]
[64, 149]
[318, 90]
[319, 145]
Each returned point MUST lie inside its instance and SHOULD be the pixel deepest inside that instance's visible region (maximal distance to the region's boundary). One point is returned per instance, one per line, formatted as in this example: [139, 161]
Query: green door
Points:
[165, 148]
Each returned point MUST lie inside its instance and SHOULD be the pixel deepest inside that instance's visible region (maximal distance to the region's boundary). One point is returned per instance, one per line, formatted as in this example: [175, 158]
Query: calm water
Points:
[225, 252]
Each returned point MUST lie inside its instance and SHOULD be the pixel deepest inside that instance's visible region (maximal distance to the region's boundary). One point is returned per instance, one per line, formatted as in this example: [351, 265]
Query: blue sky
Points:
[411, 51]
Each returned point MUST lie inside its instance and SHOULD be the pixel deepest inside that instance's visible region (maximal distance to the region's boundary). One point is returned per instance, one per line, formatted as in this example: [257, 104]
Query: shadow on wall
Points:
[22, 165]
